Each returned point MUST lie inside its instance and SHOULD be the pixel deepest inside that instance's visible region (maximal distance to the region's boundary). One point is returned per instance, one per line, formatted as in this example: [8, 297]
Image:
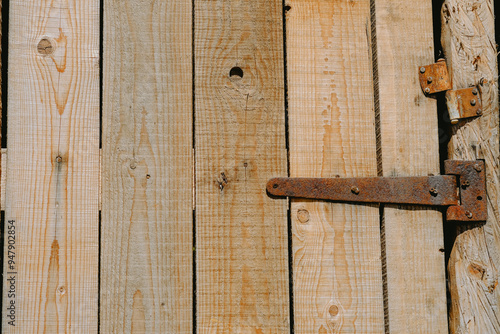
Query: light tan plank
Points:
[241, 233]
[52, 202]
[146, 243]
[416, 287]
[468, 37]
[336, 247]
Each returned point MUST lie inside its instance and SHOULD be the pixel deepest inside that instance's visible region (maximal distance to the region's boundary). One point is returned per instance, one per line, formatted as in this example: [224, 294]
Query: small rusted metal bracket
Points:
[463, 103]
[434, 78]
[463, 189]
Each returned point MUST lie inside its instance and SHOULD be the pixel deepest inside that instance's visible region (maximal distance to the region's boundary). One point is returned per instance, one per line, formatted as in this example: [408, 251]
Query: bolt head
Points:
[468, 214]
[427, 90]
[479, 112]
[474, 91]
[429, 79]
[58, 159]
[355, 190]
[477, 167]
[473, 102]
[422, 69]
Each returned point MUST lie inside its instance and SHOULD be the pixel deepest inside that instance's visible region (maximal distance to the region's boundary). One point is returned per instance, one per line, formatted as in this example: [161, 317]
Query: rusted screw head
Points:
[468, 214]
[479, 112]
[433, 191]
[477, 167]
[422, 69]
[427, 90]
[474, 91]
[472, 102]
[58, 159]
[429, 79]
[355, 190]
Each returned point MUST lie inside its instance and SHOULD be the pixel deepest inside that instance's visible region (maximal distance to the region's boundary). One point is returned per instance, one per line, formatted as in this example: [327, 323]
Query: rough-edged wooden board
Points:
[146, 242]
[468, 37]
[54, 111]
[416, 286]
[337, 270]
[241, 233]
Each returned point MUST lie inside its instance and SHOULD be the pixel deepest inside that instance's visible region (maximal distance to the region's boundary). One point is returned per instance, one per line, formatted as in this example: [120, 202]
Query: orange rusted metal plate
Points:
[472, 178]
[463, 103]
[424, 190]
[434, 78]
[463, 190]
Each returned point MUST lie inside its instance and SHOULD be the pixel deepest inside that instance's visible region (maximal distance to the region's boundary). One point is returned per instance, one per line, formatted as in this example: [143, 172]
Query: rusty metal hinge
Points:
[461, 103]
[462, 189]
[434, 78]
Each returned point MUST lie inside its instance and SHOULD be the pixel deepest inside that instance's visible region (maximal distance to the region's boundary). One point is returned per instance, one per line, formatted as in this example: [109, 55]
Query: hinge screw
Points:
[433, 191]
[479, 111]
[477, 168]
[355, 190]
[422, 69]
[427, 90]
[474, 91]
[429, 79]
[472, 102]
[468, 214]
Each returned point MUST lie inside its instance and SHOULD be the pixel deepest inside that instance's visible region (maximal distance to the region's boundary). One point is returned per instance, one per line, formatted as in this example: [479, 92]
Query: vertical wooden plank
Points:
[336, 247]
[241, 233]
[147, 188]
[51, 272]
[468, 37]
[416, 290]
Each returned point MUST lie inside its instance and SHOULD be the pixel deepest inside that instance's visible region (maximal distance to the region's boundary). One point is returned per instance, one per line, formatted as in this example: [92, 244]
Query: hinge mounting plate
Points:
[434, 78]
[463, 190]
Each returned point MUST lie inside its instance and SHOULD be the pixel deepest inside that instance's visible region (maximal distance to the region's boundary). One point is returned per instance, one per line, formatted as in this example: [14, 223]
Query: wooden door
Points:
[141, 135]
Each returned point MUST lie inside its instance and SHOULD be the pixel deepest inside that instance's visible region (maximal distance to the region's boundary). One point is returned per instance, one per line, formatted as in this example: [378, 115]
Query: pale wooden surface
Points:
[416, 286]
[468, 37]
[146, 242]
[54, 111]
[241, 233]
[337, 268]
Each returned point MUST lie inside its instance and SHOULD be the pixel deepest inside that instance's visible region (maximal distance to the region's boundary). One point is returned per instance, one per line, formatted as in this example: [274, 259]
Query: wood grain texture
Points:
[54, 101]
[241, 233]
[337, 267]
[468, 38]
[416, 286]
[147, 185]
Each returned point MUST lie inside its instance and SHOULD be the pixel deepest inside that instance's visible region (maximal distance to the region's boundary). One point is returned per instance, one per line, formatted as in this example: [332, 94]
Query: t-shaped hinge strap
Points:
[462, 189]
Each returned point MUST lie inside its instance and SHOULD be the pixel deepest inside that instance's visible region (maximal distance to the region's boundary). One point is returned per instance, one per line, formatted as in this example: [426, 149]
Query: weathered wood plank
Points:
[147, 186]
[416, 286]
[53, 131]
[241, 233]
[336, 247]
[468, 38]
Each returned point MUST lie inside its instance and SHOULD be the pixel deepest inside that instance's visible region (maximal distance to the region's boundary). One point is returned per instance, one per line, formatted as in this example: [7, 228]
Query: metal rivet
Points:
[58, 159]
[422, 69]
[355, 190]
[429, 79]
[472, 102]
[433, 191]
[474, 91]
[479, 112]
[468, 214]
[477, 167]
[427, 90]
